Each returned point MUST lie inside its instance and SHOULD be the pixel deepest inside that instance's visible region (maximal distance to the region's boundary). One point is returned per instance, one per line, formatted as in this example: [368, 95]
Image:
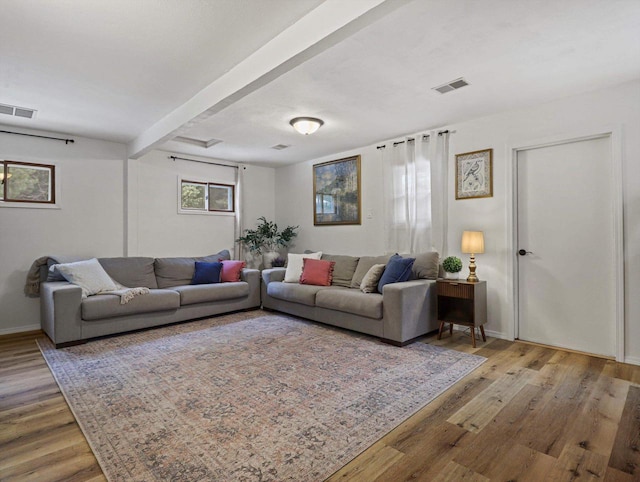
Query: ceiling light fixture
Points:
[306, 125]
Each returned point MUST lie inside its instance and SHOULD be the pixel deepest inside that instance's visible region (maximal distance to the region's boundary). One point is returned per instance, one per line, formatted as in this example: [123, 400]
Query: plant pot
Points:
[268, 257]
[448, 275]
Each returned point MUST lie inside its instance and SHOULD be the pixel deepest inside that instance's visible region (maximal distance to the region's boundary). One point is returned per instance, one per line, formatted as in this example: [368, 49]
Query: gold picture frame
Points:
[474, 174]
[336, 192]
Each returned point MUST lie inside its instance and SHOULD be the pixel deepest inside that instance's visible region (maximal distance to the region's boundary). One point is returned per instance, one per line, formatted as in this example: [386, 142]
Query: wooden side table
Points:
[462, 303]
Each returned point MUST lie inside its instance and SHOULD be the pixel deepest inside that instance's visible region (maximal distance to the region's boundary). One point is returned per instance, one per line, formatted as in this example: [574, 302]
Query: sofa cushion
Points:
[343, 270]
[364, 265]
[294, 292]
[172, 272]
[131, 272]
[98, 307]
[426, 265]
[190, 295]
[398, 270]
[351, 301]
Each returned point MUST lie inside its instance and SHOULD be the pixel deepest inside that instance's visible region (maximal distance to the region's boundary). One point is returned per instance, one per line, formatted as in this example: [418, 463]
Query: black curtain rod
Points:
[66, 141]
[202, 162]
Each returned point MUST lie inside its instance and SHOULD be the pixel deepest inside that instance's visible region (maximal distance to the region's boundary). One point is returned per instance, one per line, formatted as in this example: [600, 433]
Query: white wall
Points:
[89, 221]
[155, 226]
[98, 215]
[295, 205]
[617, 107]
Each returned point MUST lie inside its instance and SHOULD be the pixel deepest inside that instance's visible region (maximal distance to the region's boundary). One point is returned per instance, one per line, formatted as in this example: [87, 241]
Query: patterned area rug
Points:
[247, 396]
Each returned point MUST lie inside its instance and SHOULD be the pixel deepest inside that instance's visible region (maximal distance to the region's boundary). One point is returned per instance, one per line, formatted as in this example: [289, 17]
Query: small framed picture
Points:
[474, 176]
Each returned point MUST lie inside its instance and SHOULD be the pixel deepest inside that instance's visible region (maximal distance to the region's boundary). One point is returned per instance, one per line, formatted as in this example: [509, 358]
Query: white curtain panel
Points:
[415, 209]
[439, 183]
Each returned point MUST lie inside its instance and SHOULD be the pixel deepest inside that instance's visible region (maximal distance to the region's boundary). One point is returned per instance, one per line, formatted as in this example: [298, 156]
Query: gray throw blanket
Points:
[32, 286]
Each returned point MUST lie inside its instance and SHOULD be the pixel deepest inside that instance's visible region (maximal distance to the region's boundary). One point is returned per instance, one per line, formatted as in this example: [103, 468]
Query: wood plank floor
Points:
[530, 413]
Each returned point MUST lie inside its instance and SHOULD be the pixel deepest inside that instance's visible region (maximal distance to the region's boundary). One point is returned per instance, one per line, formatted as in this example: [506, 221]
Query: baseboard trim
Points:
[19, 329]
[632, 360]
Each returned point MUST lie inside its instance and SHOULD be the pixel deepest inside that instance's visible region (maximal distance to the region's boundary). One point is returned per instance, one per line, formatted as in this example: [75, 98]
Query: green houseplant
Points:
[266, 239]
[452, 265]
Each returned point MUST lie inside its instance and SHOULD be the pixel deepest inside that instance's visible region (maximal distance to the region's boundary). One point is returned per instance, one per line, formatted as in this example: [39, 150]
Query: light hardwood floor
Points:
[529, 413]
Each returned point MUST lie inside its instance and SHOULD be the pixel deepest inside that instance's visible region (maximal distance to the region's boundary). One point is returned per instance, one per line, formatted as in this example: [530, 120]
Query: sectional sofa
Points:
[68, 318]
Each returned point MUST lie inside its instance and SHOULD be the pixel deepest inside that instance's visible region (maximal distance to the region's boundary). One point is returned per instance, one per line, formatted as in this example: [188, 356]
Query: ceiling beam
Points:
[325, 26]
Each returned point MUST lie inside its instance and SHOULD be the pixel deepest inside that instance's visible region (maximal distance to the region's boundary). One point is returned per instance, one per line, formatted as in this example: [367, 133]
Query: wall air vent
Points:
[17, 111]
[451, 86]
[198, 142]
[279, 147]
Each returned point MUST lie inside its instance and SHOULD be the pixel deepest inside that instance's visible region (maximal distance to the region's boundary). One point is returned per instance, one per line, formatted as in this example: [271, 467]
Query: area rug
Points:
[248, 397]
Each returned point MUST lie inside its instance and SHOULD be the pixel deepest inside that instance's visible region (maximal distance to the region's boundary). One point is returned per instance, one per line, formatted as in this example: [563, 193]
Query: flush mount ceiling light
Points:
[306, 125]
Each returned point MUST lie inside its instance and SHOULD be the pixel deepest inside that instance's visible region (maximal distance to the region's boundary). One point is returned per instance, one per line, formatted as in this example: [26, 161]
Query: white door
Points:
[566, 280]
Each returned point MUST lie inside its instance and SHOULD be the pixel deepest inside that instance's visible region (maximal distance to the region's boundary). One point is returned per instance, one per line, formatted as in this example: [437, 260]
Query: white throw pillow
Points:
[88, 275]
[294, 266]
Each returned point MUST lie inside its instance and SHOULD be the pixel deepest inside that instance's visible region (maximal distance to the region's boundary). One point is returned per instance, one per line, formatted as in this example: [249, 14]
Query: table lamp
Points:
[472, 243]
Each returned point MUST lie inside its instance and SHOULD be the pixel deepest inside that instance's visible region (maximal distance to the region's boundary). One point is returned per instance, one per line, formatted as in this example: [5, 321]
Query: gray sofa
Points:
[68, 318]
[403, 312]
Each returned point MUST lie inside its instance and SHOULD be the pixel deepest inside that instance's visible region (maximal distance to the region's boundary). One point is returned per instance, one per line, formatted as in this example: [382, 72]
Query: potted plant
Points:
[452, 266]
[267, 240]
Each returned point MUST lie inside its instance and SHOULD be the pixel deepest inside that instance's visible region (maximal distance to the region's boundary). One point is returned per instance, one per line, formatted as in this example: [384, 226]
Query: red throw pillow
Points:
[231, 270]
[317, 272]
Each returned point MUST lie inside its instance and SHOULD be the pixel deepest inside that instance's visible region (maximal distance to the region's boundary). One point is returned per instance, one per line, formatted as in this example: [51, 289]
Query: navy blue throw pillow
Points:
[398, 269]
[206, 273]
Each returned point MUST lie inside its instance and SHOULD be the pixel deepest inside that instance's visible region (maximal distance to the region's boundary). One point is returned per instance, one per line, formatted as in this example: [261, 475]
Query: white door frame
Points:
[614, 133]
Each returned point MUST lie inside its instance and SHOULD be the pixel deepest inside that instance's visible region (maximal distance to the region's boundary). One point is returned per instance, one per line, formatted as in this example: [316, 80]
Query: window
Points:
[26, 182]
[207, 196]
[325, 204]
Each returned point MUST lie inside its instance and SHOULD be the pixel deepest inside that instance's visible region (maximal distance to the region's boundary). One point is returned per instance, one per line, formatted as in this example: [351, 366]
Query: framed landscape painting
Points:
[336, 192]
[474, 177]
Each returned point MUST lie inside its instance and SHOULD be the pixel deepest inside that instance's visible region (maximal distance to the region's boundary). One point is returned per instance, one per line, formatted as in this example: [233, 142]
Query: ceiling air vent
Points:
[17, 111]
[198, 142]
[451, 86]
[279, 147]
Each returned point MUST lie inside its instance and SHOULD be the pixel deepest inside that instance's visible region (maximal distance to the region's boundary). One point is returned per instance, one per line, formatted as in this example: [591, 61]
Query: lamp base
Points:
[472, 278]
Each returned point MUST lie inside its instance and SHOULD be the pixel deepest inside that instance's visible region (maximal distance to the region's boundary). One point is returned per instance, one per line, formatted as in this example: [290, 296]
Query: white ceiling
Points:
[124, 70]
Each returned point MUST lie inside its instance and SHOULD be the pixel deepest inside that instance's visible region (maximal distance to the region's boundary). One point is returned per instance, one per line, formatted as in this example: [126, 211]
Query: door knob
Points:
[524, 252]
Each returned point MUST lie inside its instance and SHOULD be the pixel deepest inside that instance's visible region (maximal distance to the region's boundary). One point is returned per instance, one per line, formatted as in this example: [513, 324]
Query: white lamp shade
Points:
[306, 125]
[473, 242]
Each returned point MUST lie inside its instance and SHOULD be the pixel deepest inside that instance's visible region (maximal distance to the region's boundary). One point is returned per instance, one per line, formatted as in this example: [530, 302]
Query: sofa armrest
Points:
[61, 311]
[252, 277]
[273, 274]
[409, 309]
